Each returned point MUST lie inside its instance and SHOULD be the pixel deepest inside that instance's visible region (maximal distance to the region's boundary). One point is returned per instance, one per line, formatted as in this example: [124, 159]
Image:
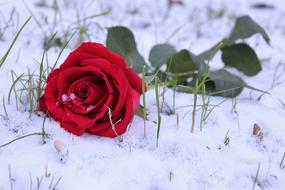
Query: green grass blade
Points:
[3, 59]
[158, 111]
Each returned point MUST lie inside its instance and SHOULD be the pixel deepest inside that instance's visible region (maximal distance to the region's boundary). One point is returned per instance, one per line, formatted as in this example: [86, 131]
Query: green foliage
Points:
[237, 55]
[181, 64]
[223, 83]
[121, 40]
[244, 28]
[160, 54]
[242, 57]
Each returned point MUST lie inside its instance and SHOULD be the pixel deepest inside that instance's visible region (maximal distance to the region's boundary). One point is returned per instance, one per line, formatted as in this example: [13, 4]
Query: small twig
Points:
[256, 177]
[31, 181]
[47, 174]
[39, 182]
[10, 177]
[282, 161]
[227, 139]
[51, 183]
[57, 182]
[177, 120]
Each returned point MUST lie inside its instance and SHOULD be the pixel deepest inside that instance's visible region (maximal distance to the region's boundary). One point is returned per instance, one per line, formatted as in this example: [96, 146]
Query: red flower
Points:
[93, 91]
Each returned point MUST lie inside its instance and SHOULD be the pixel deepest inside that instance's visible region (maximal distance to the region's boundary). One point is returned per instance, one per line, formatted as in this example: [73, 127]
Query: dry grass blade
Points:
[13, 86]
[256, 177]
[10, 177]
[282, 165]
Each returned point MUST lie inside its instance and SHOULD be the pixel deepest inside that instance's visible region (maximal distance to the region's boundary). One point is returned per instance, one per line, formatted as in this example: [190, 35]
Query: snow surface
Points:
[182, 160]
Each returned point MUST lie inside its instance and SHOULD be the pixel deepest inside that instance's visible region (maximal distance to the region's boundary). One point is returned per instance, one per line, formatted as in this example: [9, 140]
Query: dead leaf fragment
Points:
[257, 132]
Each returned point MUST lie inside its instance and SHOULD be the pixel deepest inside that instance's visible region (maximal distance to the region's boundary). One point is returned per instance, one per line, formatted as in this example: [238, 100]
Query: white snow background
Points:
[198, 161]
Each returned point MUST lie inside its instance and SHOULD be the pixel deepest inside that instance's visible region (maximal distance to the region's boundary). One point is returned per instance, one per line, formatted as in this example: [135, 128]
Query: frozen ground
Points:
[182, 160]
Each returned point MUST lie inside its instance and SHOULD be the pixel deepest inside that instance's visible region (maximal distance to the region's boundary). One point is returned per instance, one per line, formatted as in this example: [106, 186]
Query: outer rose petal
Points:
[91, 50]
[74, 59]
[72, 128]
[42, 104]
[134, 80]
[101, 51]
[53, 106]
[42, 101]
[136, 100]
[53, 74]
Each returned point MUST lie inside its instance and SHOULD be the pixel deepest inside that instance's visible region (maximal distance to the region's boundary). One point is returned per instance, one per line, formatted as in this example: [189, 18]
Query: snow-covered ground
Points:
[182, 160]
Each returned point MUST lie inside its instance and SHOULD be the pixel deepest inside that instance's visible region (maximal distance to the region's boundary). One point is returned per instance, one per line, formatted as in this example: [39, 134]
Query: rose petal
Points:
[114, 73]
[101, 51]
[69, 76]
[42, 104]
[105, 128]
[72, 128]
[53, 74]
[134, 80]
[74, 59]
[53, 106]
[81, 121]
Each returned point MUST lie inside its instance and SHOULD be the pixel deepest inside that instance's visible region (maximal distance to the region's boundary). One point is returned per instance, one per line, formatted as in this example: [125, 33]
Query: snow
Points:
[182, 160]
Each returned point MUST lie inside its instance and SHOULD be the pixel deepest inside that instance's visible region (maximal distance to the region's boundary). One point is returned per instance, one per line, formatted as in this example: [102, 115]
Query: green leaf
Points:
[206, 57]
[159, 54]
[181, 62]
[244, 28]
[222, 83]
[121, 40]
[211, 52]
[241, 57]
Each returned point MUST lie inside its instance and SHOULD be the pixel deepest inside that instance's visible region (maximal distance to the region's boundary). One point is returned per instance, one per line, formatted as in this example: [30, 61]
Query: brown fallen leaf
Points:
[257, 132]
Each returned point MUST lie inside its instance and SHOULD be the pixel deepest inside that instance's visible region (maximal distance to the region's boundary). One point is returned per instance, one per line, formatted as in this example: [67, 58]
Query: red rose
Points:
[93, 91]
